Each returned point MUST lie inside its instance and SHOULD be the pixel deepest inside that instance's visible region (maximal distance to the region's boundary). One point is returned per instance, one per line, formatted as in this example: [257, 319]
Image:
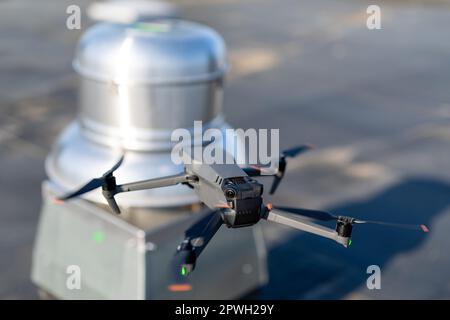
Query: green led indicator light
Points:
[98, 236]
[349, 242]
[183, 271]
[152, 27]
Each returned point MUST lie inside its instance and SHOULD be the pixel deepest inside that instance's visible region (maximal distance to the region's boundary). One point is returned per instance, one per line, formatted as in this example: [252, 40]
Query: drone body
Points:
[236, 200]
[226, 188]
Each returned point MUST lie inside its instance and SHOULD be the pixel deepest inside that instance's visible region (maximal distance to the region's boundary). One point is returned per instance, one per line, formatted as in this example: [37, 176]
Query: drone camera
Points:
[230, 193]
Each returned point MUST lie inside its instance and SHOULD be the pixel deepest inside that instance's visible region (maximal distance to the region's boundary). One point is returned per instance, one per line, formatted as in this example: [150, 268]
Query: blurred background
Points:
[376, 103]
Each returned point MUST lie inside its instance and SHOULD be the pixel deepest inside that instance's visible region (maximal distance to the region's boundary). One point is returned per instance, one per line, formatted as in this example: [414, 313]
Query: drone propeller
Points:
[421, 227]
[327, 216]
[107, 181]
[115, 167]
[91, 185]
[290, 153]
[293, 152]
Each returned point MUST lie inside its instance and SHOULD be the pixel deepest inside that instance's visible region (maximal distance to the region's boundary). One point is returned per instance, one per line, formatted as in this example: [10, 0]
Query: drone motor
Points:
[344, 227]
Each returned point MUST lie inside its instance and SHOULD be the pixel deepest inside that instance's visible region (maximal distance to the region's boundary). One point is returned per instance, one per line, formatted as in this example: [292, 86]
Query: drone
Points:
[235, 199]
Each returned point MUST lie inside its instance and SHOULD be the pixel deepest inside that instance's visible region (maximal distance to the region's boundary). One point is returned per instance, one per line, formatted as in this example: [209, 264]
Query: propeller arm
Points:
[156, 183]
[287, 219]
[196, 239]
[110, 190]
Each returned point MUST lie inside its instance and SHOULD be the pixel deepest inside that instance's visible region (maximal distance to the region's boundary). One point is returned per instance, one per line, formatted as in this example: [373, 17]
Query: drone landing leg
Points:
[287, 219]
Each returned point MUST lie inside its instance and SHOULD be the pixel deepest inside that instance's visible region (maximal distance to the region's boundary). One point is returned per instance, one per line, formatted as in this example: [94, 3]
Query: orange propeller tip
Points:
[424, 228]
[57, 201]
[179, 287]
[223, 206]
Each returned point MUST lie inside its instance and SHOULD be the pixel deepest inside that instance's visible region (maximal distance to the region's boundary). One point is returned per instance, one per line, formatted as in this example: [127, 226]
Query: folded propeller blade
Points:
[290, 153]
[91, 185]
[94, 184]
[115, 167]
[293, 152]
[327, 216]
[275, 184]
[420, 227]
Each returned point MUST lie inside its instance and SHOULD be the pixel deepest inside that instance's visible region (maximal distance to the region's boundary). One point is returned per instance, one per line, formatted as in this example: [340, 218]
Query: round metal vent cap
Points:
[129, 11]
[163, 51]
